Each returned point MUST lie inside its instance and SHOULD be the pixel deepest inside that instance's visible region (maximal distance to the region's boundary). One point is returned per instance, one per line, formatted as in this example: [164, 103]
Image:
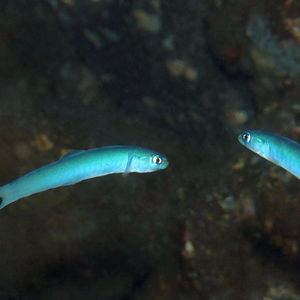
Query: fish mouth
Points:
[166, 163]
[240, 138]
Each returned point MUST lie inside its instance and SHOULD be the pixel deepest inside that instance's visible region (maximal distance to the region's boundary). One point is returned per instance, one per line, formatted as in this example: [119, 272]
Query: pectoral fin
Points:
[129, 160]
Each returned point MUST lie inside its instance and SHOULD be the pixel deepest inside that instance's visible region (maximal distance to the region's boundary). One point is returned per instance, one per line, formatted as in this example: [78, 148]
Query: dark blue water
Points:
[184, 79]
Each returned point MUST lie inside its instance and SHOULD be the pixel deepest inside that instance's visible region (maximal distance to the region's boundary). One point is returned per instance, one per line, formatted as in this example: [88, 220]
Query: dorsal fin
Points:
[72, 153]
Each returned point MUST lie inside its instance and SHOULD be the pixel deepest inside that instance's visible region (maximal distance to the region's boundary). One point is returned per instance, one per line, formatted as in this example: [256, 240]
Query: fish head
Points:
[144, 161]
[256, 141]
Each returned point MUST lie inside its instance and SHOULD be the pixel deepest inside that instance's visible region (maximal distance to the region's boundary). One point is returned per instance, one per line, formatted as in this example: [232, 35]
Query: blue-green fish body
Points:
[280, 150]
[81, 165]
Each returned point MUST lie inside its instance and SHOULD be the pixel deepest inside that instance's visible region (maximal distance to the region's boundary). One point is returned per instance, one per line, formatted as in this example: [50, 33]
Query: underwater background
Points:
[183, 78]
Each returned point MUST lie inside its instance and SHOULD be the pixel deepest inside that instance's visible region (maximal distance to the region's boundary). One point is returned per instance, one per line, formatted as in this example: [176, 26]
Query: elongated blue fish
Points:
[280, 150]
[81, 165]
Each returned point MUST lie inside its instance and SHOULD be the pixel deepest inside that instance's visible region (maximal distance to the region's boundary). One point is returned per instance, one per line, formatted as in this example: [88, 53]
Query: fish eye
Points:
[246, 137]
[157, 160]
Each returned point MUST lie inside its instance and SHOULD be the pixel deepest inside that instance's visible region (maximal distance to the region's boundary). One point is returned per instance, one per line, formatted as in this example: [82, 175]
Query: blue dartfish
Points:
[278, 149]
[80, 165]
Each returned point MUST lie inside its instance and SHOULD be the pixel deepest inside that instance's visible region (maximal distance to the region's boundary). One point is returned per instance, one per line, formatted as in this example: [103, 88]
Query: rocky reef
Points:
[182, 78]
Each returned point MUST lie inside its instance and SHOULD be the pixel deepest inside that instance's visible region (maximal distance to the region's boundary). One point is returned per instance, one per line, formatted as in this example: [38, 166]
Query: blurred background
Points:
[184, 78]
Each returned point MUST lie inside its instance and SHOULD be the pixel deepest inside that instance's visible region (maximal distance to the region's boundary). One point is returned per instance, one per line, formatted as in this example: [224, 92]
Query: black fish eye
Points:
[246, 137]
[157, 159]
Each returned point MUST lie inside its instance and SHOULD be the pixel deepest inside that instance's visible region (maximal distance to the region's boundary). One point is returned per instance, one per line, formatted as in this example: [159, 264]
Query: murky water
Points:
[184, 79]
